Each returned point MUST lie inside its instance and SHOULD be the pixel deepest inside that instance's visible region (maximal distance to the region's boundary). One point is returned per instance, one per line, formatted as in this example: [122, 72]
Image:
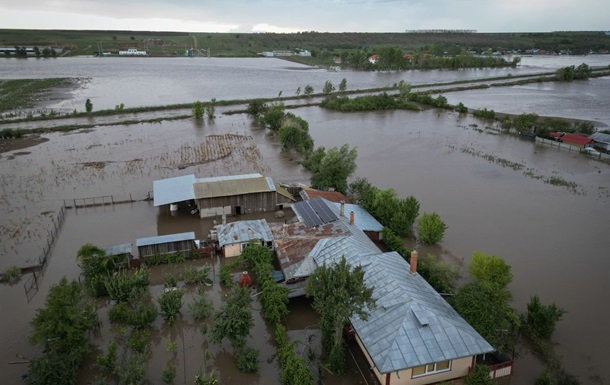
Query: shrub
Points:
[198, 110]
[132, 372]
[431, 228]
[170, 303]
[543, 318]
[191, 275]
[485, 114]
[168, 374]
[11, 275]
[107, 361]
[479, 376]
[139, 340]
[201, 307]
[256, 107]
[247, 360]
[461, 108]
[88, 105]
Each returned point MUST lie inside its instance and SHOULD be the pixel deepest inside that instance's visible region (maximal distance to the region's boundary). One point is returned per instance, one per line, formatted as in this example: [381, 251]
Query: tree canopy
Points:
[332, 168]
[339, 292]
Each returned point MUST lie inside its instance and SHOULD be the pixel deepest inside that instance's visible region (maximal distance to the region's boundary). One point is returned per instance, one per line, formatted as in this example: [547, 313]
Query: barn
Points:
[239, 194]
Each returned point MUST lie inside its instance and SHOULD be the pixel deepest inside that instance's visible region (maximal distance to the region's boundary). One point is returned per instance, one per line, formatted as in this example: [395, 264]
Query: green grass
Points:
[15, 94]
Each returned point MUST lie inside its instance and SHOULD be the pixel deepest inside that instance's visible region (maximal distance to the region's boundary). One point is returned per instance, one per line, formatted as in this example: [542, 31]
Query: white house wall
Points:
[233, 250]
[459, 368]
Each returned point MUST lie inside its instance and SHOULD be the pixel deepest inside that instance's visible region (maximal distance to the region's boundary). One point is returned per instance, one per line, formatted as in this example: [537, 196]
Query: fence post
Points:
[130, 199]
[74, 203]
[112, 199]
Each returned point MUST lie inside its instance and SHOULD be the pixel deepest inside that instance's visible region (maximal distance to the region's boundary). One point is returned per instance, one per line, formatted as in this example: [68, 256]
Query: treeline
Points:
[394, 59]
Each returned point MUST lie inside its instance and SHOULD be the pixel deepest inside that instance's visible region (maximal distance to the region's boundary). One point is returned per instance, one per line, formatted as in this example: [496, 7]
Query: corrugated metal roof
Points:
[600, 137]
[332, 196]
[412, 324]
[244, 231]
[228, 177]
[362, 219]
[165, 239]
[173, 190]
[117, 249]
[205, 188]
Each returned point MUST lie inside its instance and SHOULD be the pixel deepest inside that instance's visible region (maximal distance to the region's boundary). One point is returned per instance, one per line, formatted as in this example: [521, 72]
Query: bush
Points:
[170, 303]
[11, 275]
[168, 374]
[431, 228]
[198, 110]
[461, 108]
[107, 362]
[543, 318]
[256, 107]
[247, 360]
[485, 114]
[191, 275]
[479, 376]
[88, 105]
[201, 307]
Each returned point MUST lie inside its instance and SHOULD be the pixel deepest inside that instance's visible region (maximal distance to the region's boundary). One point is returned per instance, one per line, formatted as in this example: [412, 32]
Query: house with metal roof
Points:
[361, 218]
[413, 336]
[173, 190]
[239, 194]
[235, 236]
[182, 243]
[332, 196]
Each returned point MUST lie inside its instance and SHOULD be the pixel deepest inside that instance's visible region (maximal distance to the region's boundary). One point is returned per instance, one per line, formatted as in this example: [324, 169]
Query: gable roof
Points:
[244, 231]
[600, 137]
[173, 190]
[331, 196]
[362, 219]
[412, 324]
[113, 250]
[165, 239]
[576, 139]
[236, 185]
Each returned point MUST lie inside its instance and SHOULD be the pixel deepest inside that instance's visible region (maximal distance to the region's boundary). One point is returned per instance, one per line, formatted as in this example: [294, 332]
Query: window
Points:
[433, 368]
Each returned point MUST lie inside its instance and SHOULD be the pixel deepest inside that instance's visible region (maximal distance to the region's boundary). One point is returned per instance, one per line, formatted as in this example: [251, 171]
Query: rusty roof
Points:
[236, 185]
[333, 196]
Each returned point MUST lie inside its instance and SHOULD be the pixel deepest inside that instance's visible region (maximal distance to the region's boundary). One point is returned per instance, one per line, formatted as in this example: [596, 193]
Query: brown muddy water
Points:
[488, 188]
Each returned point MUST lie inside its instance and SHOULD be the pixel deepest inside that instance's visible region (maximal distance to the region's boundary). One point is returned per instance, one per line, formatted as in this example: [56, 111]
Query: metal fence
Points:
[602, 156]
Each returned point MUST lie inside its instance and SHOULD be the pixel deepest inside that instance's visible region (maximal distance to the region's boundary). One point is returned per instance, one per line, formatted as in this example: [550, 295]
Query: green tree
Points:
[431, 228]
[234, 320]
[273, 117]
[343, 85]
[542, 318]
[338, 293]
[88, 105]
[332, 168]
[328, 88]
[170, 303]
[490, 270]
[198, 110]
[210, 109]
[37, 51]
[308, 90]
[61, 326]
[256, 107]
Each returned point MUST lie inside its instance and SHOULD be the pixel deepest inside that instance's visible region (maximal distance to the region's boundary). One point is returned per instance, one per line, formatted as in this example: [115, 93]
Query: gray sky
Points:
[309, 15]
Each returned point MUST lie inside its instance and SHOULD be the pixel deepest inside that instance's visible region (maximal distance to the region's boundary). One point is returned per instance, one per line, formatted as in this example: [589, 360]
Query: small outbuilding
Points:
[121, 252]
[182, 243]
[234, 237]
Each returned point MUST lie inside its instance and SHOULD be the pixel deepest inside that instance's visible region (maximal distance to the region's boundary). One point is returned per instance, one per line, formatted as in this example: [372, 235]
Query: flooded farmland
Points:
[489, 188]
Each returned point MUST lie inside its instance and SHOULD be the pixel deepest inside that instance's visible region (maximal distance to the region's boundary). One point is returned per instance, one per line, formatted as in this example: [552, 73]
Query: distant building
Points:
[305, 53]
[373, 59]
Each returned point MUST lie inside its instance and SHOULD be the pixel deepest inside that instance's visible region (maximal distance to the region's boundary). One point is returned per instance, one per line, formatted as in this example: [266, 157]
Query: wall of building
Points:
[248, 203]
[230, 251]
[459, 368]
[184, 247]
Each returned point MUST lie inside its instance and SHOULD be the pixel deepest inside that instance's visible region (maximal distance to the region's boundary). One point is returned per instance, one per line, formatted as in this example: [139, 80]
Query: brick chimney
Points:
[351, 217]
[342, 212]
[413, 262]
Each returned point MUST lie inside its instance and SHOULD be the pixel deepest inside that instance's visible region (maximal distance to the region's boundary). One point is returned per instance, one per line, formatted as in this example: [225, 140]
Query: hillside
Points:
[320, 44]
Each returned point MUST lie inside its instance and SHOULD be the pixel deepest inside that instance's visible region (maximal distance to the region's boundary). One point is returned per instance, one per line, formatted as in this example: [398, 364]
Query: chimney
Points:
[351, 217]
[413, 262]
[342, 212]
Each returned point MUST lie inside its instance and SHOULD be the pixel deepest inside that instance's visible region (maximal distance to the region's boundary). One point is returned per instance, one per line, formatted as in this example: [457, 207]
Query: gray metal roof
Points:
[244, 231]
[173, 190]
[362, 219]
[412, 324]
[600, 137]
[117, 249]
[165, 239]
[232, 185]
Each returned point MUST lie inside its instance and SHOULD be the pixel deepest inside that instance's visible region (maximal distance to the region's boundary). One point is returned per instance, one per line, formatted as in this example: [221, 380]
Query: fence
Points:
[602, 156]
[102, 201]
[31, 284]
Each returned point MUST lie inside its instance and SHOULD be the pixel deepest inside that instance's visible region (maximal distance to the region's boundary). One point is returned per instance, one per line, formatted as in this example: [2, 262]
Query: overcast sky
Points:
[308, 15]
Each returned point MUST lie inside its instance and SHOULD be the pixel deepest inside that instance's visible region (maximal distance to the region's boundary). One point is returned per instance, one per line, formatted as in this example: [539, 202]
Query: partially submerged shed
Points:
[182, 243]
[121, 252]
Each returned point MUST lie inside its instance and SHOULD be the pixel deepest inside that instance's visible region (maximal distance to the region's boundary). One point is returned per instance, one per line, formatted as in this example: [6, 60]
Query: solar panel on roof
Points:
[323, 210]
[309, 216]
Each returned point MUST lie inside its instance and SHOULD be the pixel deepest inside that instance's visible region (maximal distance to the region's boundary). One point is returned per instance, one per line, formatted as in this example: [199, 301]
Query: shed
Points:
[235, 236]
[602, 141]
[239, 194]
[182, 243]
[123, 250]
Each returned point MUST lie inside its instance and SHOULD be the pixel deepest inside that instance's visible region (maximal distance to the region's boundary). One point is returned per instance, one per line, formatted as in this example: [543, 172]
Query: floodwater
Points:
[488, 188]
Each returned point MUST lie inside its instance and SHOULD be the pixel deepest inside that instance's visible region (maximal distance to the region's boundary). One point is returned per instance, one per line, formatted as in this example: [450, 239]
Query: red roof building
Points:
[577, 140]
[333, 196]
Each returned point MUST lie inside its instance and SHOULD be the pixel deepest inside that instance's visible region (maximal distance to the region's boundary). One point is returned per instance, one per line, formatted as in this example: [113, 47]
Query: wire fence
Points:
[103, 200]
[602, 156]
